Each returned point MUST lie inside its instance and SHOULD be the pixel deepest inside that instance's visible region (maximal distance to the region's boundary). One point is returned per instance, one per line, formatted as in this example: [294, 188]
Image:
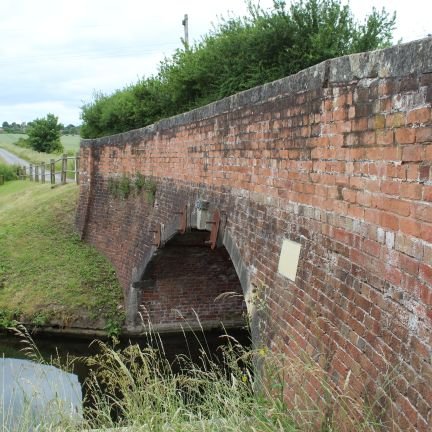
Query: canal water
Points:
[27, 385]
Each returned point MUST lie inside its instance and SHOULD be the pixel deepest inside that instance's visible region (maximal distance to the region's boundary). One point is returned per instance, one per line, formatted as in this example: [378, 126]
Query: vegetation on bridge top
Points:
[47, 275]
[238, 54]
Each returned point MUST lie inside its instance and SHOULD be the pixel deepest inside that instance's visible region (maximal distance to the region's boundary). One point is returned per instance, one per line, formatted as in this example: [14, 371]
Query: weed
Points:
[139, 182]
[150, 188]
[113, 184]
[8, 319]
[119, 187]
[41, 318]
[145, 390]
[114, 324]
[122, 187]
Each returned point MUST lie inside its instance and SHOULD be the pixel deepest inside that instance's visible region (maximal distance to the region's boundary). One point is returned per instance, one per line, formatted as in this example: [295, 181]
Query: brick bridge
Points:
[319, 187]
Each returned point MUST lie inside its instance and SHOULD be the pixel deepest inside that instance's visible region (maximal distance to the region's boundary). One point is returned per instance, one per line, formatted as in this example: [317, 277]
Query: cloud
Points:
[55, 54]
[30, 111]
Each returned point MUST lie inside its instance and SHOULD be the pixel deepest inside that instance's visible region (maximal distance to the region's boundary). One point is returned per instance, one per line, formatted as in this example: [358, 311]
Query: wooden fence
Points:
[39, 172]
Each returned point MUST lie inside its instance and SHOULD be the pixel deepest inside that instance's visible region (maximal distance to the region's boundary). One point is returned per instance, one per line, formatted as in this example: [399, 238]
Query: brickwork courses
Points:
[337, 158]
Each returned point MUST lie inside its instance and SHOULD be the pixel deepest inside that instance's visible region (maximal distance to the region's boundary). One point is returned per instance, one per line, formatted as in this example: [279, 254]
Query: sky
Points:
[55, 54]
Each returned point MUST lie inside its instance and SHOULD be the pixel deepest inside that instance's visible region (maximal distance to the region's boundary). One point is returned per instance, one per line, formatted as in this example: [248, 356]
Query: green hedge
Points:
[240, 53]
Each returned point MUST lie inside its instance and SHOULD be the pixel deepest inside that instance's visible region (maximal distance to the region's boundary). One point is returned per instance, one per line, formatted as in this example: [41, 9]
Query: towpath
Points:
[11, 159]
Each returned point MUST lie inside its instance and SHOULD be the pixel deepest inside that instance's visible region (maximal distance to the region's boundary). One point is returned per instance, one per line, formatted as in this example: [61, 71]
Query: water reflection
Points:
[33, 393]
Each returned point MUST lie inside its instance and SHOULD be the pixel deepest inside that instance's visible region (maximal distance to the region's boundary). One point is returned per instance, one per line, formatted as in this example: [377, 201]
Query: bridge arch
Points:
[336, 159]
[165, 291]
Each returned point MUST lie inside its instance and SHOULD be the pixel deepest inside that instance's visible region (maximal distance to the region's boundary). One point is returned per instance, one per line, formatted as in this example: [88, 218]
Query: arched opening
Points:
[188, 285]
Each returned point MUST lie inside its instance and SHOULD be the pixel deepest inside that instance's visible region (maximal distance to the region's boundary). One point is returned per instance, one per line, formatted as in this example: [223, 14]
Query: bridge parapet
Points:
[337, 159]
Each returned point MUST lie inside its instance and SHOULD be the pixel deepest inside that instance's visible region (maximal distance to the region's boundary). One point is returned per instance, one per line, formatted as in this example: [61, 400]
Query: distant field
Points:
[10, 138]
[70, 144]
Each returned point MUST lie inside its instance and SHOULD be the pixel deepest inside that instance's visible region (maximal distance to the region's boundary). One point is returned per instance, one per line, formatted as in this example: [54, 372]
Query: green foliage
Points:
[114, 324]
[238, 54]
[122, 187]
[150, 187]
[8, 319]
[41, 318]
[137, 388]
[23, 142]
[9, 172]
[147, 392]
[139, 182]
[44, 135]
[14, 127]
[70, 129]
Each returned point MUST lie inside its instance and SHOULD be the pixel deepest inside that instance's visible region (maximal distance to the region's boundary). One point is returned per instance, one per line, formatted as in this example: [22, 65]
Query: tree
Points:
[44, 134]
[70, 129]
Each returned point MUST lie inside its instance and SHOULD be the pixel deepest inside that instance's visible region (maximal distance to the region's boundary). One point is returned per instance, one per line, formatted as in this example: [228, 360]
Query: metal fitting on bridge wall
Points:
[202, 209]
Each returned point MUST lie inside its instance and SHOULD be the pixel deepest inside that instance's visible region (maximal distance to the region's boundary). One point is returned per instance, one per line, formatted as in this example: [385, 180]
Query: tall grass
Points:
[242, 390]
[140, 389]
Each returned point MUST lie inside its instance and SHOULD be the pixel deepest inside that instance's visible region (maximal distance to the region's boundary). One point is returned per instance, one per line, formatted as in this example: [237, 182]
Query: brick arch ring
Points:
[177, 225]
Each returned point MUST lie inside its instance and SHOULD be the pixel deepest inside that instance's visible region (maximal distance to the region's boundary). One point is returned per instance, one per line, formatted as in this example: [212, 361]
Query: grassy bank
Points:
[47, 275]
[70, 144]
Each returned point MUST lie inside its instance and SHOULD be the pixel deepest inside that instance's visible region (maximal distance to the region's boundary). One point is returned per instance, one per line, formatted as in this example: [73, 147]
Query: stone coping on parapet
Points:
[396, 61]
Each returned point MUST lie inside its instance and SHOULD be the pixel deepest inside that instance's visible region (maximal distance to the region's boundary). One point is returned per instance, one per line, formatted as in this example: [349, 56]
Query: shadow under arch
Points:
[188, 285]
[184, 280]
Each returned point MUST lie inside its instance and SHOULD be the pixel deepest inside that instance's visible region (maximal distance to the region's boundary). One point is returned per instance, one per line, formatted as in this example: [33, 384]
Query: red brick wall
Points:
[337, 158]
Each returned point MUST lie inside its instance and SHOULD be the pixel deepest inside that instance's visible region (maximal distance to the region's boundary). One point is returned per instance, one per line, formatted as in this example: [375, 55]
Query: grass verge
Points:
[47, 275]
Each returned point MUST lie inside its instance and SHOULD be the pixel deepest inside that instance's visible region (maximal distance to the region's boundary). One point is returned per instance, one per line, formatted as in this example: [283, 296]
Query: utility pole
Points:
[185, 24]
